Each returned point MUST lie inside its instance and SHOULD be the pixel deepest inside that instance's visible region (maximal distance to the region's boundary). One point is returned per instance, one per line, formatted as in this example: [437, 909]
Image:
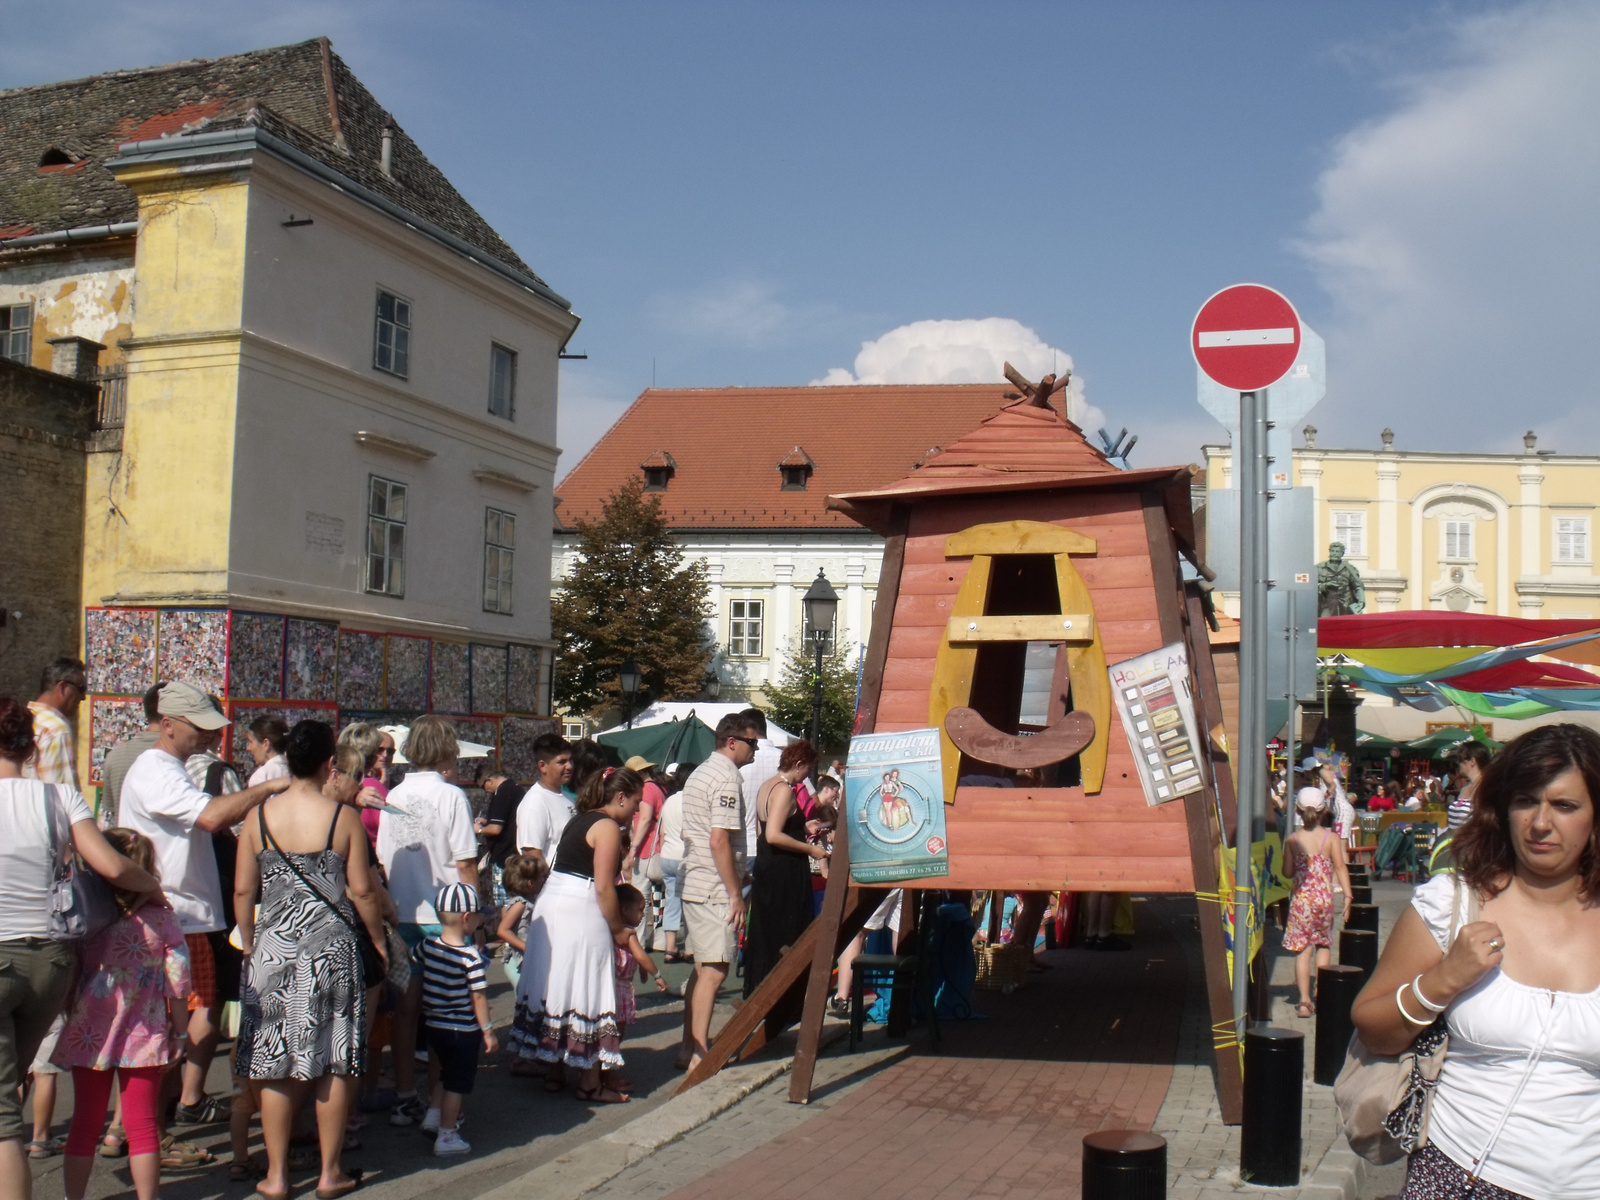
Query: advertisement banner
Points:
[1156, 704]
[1266, 858]
[894, 803]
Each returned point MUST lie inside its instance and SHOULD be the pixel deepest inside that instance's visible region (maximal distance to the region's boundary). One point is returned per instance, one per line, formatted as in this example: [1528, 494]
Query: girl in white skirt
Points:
[567, 998]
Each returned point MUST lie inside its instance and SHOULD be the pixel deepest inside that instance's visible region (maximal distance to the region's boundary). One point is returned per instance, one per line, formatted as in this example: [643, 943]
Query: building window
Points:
[794, 478]
[16, 332]
[1458, 540]
[502, 381]
[1351, 529]
[499, 543]
[1572, 539]
[391, 350]
[744, 628]
[386, 536]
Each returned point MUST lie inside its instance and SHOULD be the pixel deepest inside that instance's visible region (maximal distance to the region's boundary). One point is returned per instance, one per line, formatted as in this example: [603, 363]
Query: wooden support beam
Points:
[1017, 537]
[845, 910]
[894, 557]
[1057, 627]
[1200, 808]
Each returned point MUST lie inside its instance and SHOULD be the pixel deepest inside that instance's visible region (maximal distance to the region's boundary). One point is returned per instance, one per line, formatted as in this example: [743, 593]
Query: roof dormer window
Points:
[658, 470]
[795, 470]
[55, 156]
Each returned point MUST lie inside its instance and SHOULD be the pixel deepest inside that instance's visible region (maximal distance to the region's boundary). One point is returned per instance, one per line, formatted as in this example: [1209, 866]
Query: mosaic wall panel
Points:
[450, 692]
[255, 657]
[517, 735]
[488, 678]
[522, 679]
[407, 683]
[360, 669]
[243, 714]
[120, 644]
[194, 647]
[311, 660]
[111, 722]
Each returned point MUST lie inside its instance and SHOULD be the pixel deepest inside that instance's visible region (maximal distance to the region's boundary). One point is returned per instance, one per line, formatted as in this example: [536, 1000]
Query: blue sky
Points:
[746, 193]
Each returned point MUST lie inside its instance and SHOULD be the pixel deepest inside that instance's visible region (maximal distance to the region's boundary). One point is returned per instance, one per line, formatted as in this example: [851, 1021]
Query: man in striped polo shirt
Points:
[455, 1013]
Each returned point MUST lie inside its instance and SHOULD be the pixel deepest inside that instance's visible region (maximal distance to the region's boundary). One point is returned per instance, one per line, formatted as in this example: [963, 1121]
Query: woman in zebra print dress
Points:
[303, 1017]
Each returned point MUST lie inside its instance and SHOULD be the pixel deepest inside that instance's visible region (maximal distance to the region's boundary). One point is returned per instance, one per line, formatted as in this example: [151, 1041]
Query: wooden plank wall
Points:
[1043, 838]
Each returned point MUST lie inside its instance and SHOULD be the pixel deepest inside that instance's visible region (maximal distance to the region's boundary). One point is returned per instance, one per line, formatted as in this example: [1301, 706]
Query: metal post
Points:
[1286, 825]
[816, 697]
[1251, 470]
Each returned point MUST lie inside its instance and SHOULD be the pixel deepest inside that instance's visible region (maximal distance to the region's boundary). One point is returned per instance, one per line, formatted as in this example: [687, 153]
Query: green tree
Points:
[630, 596]
[789, 701]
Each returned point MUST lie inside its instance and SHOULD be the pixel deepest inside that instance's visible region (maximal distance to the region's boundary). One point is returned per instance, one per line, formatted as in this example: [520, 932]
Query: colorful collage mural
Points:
[120, 650]
[194, 647]
[111, 722]
[452, 678]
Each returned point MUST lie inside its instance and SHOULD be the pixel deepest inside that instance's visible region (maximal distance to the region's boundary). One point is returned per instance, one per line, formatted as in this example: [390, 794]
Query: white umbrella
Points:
[400, 732]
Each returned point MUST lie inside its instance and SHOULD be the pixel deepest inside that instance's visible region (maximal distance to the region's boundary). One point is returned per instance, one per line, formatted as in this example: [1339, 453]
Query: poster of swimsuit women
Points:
[1157, 709]
[894, 803]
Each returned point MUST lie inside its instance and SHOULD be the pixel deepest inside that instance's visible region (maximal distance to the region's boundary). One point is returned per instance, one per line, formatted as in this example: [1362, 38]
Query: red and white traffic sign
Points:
[1246, 337]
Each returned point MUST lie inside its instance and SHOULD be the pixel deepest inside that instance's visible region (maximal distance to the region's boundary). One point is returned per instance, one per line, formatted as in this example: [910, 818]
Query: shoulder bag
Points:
[373, 972]
[81, 904]
[1383, 1099]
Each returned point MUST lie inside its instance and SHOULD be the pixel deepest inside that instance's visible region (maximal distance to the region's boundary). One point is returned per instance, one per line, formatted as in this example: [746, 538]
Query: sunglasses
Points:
[751, 742]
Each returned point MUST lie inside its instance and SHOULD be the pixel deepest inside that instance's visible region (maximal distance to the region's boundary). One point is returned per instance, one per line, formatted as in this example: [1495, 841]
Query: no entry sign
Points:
[1246, 337]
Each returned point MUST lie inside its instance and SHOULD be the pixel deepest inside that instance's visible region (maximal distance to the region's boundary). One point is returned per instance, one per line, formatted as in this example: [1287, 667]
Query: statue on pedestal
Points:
[1339, 590]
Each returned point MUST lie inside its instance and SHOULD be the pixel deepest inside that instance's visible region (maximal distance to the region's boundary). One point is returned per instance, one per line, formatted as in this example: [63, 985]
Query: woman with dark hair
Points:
[265, 738]
[1507, 950]
[780, 896]
[303, 1012]
[36, 972]
[567, 996]
[588, 760]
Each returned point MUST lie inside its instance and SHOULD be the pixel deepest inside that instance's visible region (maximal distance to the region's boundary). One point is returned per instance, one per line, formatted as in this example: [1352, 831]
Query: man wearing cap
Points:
[160, 801]
[642, 844]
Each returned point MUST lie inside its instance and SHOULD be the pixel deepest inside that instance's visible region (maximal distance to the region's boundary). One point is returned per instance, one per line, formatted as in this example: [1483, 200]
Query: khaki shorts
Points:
[710, 938]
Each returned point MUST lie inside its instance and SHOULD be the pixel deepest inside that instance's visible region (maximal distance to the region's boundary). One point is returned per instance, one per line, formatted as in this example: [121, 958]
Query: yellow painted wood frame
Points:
[1086, 660]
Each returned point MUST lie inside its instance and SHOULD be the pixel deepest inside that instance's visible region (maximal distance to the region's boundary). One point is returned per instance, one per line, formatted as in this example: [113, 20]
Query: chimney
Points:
[76, 357]
[386, 160]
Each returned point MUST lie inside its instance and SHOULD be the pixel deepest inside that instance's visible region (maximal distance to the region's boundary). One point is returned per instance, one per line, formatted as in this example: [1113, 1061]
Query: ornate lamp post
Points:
[821, 603]
[629, 678]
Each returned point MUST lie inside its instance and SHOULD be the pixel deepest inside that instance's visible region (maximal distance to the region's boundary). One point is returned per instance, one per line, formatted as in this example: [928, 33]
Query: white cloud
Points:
[964, 351]
[1459, 239]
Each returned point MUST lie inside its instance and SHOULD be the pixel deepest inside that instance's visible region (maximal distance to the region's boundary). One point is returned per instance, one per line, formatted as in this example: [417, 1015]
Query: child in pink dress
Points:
[630, 956]
[1315, 857]
[125, 1018]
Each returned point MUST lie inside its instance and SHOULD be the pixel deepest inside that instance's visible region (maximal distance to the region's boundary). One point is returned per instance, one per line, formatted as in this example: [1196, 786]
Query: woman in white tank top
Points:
[1518, 1102]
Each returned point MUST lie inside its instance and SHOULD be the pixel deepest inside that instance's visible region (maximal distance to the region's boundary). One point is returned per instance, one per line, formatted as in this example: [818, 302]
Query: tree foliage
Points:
[790, 699]
[630, 595]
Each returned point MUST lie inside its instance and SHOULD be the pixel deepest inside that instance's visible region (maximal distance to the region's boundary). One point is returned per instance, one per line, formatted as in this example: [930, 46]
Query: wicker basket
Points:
[1002, 968]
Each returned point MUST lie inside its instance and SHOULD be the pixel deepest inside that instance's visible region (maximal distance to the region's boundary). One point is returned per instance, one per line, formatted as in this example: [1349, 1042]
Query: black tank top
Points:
[574, 855]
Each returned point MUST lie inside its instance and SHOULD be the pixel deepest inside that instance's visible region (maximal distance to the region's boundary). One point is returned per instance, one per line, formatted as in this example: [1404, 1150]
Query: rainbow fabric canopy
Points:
[1484, 664]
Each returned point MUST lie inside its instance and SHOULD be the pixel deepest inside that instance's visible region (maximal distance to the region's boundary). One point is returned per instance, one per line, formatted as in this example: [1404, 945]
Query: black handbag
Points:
[373, 970]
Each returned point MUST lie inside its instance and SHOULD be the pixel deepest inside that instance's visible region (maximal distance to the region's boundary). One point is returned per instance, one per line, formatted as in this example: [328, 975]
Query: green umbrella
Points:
[1440, 742]
[1372, 743]
[688, 741]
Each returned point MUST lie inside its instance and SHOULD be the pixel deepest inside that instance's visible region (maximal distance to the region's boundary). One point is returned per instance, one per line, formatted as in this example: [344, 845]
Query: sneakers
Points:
[449, 1144]
[408, 1111]
[838, 1006]
[430, 1123]
[209, 1111]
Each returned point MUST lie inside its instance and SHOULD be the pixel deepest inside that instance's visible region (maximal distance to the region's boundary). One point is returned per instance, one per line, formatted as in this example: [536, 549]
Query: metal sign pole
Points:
[1287, 824]
[1252, 474]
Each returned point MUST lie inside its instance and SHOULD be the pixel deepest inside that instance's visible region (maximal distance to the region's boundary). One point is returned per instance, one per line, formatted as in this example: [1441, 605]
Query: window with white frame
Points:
[502, 381]
[499, 544]
[745, 618]
[386, 536]
[391, 344]
[1572, 539]
[16, 332]
[1350, 528]
[1457, 537]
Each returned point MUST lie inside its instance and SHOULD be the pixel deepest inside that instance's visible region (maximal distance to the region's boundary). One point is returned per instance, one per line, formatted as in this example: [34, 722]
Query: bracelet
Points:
[1416, 990]
[1400, 1004]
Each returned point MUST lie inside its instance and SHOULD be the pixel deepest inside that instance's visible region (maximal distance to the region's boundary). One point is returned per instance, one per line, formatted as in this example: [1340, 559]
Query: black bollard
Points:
[1124, 1164]
[1360, 894]
[1274, 1082]
[1337, 988]
[1359, 948]
[1363, 916]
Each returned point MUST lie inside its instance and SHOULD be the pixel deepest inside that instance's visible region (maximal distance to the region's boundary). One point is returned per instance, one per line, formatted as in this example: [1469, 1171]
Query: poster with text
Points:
[894, 806]
[1157, 708]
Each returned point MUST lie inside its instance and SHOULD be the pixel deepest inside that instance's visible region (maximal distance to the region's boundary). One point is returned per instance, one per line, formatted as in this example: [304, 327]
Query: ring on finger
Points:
[1496, 945]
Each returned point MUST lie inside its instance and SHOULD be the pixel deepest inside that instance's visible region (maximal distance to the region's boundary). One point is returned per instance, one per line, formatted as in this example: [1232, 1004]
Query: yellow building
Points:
[1509, 534]
[328, 422]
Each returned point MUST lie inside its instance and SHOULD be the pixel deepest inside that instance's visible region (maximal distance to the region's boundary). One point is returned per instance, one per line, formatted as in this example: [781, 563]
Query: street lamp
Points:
[628, 679]
[713, 684]
[821, 603]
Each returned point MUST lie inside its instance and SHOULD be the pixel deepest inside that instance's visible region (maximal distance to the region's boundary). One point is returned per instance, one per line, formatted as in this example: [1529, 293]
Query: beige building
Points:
[1509, 534]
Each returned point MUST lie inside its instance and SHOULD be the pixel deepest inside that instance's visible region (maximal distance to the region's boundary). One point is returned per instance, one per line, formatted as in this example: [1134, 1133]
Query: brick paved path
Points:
[1003, 1108]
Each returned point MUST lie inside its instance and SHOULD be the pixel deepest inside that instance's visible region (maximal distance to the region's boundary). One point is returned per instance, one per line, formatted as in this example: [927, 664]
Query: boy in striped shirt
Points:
[455, 1012]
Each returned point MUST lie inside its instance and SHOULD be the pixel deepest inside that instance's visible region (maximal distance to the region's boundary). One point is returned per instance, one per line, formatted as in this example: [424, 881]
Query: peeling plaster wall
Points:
[74, 295]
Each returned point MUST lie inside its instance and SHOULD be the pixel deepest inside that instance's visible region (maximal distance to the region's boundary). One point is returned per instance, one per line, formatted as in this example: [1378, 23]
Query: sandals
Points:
[1305, 1009]
[114, 1144]
[344, 1189]
[247, 1172]
[601, 1095]
[48, 1148]
[180, 1156]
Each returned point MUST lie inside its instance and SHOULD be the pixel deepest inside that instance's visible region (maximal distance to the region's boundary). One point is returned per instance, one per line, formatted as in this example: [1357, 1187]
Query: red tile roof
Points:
[727, 444]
